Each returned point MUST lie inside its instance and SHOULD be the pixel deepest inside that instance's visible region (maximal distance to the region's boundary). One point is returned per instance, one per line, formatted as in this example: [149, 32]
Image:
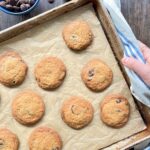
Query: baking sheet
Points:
[46, 40]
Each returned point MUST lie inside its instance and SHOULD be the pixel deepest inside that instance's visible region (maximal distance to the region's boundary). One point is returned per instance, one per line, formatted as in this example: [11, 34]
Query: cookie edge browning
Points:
[9, 53]
[16, 55]
[37, 78]
[83, 70]
[14, 110]
[13, 135]
[44, 129]
[106, 100]
[72, 98]
[70, 45]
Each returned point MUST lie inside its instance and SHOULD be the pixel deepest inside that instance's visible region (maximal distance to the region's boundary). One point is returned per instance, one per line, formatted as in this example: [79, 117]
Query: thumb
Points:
[135, 65]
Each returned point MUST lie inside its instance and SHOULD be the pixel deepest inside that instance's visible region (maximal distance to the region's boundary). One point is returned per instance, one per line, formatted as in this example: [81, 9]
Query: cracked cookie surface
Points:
[12, 69]
[8, 140]
[50, 73]
[77, 35]
[96, 75]
[44, 138]
[77, 112]
[28, 107]
[115, 110]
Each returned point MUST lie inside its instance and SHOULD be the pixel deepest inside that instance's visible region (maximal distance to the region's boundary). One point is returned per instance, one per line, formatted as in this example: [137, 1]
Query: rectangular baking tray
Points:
[113, 39]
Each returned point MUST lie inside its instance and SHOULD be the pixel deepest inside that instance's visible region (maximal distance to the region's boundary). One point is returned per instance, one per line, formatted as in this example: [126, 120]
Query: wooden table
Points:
[137, 14]
[135, 11]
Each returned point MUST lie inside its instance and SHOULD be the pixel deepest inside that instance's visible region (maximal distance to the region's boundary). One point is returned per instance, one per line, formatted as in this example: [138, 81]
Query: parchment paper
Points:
[46, 40]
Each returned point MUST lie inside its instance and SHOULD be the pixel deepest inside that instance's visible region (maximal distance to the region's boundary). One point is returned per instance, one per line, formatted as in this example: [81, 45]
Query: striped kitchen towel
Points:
[147, 148]
[131, 49]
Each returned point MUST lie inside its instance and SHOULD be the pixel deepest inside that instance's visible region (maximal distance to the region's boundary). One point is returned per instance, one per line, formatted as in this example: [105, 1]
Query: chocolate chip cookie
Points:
[12, 68]
[77, 35]
[96, 75]
[8, 140]
[115, 110]
[77, 112]
[28, 107]
[44, 138]
[50, 73]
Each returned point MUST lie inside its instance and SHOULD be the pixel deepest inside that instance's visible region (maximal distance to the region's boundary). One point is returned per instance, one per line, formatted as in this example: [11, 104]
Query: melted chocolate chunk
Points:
[1, 143]
[118, 110]
[118, 100]
[73, 109]
[55, 148]
[90, 74]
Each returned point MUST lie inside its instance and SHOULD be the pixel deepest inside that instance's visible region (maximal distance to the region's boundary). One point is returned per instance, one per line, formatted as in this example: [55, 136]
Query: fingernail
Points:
[125, 60]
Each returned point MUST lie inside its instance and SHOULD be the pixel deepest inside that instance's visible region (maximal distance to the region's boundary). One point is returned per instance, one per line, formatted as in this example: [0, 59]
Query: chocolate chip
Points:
[7, 1]
[12, 2]
[14, 82]
[16, 9]
[74, 37]
[27, 1]
[118, 100]
[23, 7]
[51, 1]
[72, 107]
[118, 110]
[1, 143]
[3, 3]
[9, 7]
[90, 74]
[22, 2]
[73, 110]
[55, 148]
[17, 5]
[27, 6]
[31, 2]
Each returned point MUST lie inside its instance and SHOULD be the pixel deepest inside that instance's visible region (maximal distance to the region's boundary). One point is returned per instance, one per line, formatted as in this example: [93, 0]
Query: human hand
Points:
[143, 70]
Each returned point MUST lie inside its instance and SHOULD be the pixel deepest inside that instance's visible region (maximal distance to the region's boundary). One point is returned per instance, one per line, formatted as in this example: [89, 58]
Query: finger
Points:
[145, 50]
[135, 65]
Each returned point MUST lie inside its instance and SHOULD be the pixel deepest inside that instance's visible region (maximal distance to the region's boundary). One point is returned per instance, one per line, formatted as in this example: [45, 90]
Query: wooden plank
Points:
[137, 14]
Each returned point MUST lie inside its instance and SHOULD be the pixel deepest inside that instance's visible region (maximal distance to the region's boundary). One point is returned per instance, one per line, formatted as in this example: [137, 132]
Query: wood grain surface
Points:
[135, 11]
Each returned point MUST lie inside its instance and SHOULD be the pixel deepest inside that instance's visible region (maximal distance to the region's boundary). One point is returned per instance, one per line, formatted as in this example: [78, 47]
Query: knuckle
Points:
[132, 62]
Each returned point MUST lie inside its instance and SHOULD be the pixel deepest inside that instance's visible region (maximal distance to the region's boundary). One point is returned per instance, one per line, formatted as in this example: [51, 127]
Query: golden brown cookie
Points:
[77, 35]
[96, 75]
[8, 140]
[44, 138]
[50, 73]
[28, 107]
[115, 110]
[12, 69]
[77, 112]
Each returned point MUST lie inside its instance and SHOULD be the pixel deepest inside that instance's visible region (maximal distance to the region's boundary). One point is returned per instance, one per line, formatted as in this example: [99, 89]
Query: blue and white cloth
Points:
[131, 49]
[147, 148]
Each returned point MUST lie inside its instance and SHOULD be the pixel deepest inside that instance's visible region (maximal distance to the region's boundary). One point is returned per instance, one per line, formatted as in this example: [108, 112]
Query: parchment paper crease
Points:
[46, 40]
